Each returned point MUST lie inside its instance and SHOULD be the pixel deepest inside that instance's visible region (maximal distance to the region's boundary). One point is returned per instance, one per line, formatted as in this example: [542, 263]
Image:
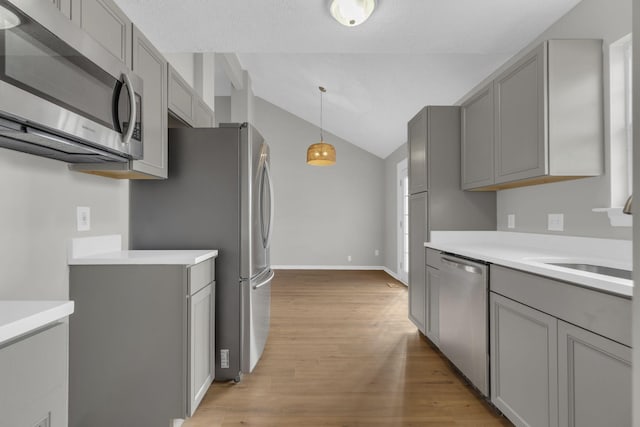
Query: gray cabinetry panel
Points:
[594, 379]
[605, 314]
[520, 110]
[107, 24]
[204, 117]
[181, 98]
[201, 327]
[63, 6]
[432, 304]
[418, 234]
[151, 66]
[34, 379]
[477, 139]
[418, 152]
[523, 363]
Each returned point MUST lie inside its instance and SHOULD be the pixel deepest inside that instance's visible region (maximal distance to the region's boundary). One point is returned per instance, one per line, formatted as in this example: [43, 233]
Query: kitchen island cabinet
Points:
[539, 135]
[141, 345]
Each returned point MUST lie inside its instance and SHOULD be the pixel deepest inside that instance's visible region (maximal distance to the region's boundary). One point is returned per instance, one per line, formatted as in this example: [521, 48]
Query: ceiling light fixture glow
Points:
[351, 12]
[8, 19]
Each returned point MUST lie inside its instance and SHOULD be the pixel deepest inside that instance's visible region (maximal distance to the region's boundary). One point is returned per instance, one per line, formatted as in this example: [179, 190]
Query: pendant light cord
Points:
[322, 90]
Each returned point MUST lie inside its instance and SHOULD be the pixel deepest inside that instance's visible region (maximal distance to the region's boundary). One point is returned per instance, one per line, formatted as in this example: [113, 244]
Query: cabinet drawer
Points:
[433, 258]
[604, 314]
[200, 275]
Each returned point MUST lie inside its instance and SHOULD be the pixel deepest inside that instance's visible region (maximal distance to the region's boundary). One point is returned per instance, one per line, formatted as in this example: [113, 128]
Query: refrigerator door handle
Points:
[267, 239]
[265, 281]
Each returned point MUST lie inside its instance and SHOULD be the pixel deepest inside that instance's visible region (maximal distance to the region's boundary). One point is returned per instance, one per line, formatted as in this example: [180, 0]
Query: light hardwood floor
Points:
[341, 353]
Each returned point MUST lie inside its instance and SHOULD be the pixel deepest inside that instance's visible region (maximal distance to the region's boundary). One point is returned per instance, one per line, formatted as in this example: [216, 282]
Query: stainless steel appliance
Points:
[62, 95]
[464, 335]
[218, 196]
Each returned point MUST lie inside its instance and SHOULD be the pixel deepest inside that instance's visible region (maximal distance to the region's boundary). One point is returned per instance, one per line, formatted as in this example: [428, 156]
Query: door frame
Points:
[402, 171]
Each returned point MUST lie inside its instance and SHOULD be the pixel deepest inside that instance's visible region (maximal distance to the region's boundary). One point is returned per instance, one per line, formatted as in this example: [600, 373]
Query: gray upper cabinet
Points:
[417, 138]
[594, 379]
[524, 363]
[477, 139]
[539, 132]
[204, 117]
[149, 64]
[182, 98]
[520, 96]
[107, 24]
[63, 6]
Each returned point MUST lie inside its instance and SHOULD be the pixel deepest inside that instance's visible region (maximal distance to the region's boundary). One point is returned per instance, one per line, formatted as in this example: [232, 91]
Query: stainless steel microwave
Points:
[62, 95]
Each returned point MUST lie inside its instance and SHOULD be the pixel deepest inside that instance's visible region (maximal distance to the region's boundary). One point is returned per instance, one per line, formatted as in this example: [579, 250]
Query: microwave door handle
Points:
[132, 109]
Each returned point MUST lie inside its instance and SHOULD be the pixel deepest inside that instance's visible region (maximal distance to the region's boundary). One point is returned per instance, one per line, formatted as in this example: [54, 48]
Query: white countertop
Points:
[177, 257]
[106, 250]
[21, 317]
[530, 252]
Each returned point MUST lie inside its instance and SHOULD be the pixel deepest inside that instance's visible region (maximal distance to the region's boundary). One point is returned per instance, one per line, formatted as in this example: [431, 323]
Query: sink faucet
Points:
[627, 205]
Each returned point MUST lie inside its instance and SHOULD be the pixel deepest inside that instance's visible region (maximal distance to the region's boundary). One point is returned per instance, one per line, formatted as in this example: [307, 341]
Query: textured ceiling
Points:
[408, 54]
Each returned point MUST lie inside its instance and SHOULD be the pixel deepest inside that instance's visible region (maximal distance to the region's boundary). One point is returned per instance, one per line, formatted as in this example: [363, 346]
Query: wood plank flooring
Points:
[342, 353]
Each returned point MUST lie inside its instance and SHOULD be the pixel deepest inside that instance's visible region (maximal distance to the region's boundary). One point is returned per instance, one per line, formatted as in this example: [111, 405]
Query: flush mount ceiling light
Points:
[321, 153]
[8, 19]
[351, 12]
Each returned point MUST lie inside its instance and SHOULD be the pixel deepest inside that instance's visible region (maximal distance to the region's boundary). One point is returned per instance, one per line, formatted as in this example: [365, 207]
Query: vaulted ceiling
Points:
[410, 53]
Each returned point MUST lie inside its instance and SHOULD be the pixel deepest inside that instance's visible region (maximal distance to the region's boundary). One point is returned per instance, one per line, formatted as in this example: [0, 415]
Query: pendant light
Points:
[8, 19]
[351, 12]
[321, 153]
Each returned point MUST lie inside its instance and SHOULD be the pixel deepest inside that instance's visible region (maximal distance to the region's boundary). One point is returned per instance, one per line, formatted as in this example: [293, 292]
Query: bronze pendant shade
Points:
[321, 153]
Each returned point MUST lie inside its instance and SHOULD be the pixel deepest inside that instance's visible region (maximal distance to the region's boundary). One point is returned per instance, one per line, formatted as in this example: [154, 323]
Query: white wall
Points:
[391, 222]
[323, 214]
[604, 19]
[37, 219]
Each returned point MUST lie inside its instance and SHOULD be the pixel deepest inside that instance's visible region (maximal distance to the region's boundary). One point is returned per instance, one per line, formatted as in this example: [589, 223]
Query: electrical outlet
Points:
[511, 221]
[83, 218]
[555, 222]
[224, 358]
[376, 252]
[349, 258]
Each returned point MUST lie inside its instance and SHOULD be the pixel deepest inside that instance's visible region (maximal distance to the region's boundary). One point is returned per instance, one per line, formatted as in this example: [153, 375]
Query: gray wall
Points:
[38, 217]
[323, 214]
[391, 220]
[223, 109]
[604, 19]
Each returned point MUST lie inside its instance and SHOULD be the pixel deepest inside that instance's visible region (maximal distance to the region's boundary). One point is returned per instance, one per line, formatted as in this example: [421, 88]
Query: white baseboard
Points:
[394, 275]
[327, 267]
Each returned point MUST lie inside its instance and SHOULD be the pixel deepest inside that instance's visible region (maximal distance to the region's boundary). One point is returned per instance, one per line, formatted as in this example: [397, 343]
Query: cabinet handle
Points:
[466, 267]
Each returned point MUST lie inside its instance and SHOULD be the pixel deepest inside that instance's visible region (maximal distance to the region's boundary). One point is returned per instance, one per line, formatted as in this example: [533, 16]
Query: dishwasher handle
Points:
[462, 266]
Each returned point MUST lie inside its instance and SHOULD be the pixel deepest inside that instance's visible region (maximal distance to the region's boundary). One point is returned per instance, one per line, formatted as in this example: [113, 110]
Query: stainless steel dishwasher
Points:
[464, 317]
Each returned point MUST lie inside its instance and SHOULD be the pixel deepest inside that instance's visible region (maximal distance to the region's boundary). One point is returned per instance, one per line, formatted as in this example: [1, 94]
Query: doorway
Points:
[403, 221]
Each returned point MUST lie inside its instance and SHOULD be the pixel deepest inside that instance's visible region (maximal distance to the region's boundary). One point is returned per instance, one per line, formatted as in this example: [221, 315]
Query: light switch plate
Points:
[83, 218]
[511, 221]
[555, 222]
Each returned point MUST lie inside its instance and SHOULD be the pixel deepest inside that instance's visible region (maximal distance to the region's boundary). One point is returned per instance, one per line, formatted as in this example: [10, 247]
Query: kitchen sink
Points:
[598, 269]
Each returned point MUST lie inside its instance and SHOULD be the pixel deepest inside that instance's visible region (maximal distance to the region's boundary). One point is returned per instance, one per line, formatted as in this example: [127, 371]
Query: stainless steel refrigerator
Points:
[218, 195]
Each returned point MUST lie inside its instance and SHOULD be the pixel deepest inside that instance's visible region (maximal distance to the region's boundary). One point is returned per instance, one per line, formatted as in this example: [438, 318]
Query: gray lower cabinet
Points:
[594, 379]
[432, 304]
[141, 343]
[418, 234]
[149, 64]
[107, 24]
[34, 379]
[524, 362]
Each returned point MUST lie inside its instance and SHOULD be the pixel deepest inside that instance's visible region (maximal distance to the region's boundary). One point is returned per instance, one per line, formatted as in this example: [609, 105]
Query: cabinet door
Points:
[418, 208]
[149, 64]
[201, 327]
[418, 153]
[524, 364]
[432, 304]
[107, 24]
[203, 114]
[520, 137]
[181, 97]
[594, 379]
[63, 6]
[34, 379]
[477, 139]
